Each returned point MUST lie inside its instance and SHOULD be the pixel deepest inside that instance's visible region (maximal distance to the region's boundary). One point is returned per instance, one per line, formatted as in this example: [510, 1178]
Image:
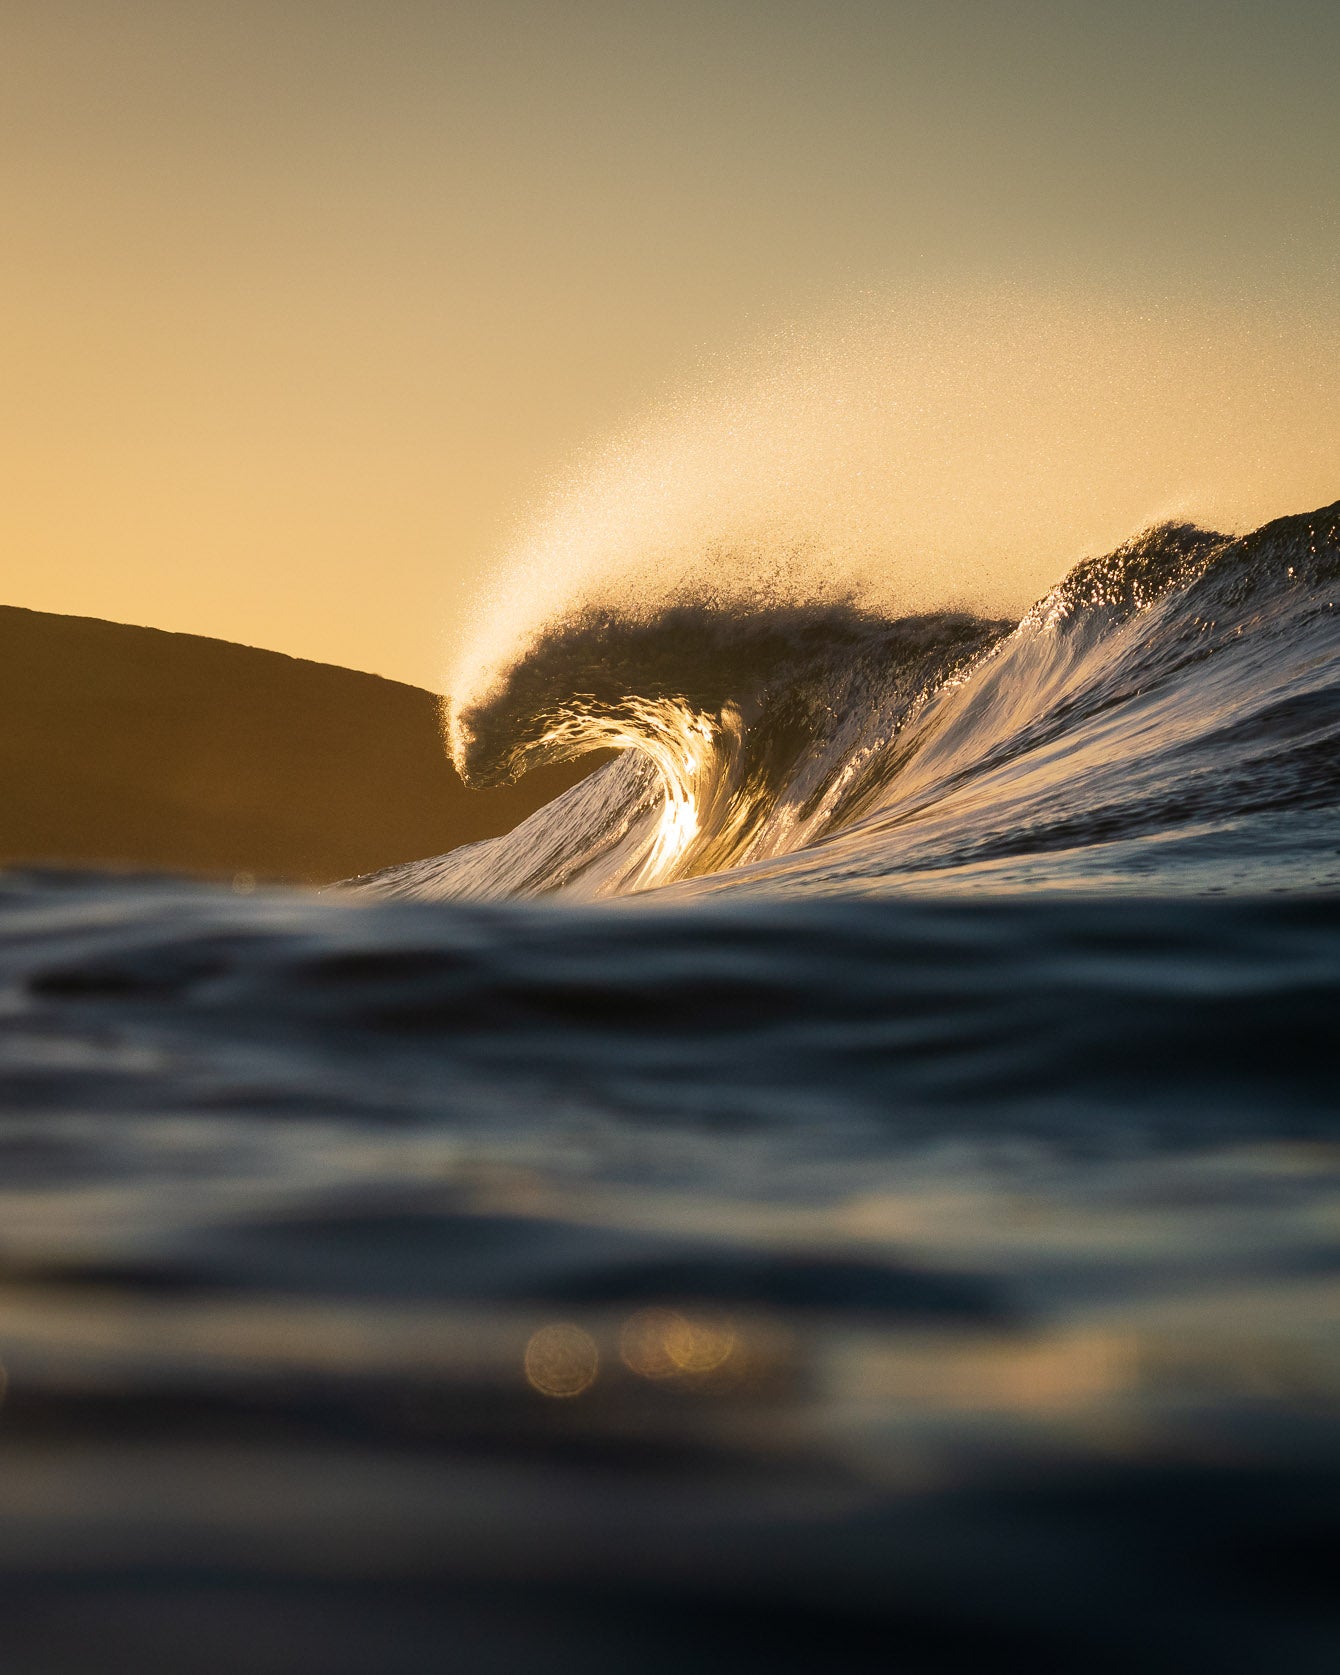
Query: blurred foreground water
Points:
[935, 1285]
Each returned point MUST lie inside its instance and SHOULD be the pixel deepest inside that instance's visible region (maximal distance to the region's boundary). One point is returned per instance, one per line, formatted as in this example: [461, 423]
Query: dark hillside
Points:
[136, 747]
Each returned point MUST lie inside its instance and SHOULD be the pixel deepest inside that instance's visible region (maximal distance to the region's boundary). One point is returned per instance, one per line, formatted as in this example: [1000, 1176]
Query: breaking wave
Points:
[1166, 705]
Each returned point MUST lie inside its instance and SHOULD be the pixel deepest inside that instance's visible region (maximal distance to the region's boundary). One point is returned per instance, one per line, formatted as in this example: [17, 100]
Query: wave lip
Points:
[741, 714]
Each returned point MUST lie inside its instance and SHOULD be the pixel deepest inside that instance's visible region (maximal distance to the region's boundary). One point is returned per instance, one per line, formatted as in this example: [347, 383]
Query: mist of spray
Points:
[959, 451]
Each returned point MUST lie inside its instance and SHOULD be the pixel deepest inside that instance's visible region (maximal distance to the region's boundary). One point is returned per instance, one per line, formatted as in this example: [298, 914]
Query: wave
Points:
[1185, 686]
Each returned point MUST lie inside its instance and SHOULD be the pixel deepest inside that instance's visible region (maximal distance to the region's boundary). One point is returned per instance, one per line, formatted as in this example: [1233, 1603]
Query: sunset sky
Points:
[306, 302]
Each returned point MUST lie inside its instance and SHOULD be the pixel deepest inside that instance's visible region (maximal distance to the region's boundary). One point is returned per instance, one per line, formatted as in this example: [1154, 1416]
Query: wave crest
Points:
[739, 713]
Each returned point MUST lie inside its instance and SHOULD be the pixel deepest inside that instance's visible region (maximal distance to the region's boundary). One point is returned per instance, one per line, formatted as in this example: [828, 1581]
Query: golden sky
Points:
[306, 304]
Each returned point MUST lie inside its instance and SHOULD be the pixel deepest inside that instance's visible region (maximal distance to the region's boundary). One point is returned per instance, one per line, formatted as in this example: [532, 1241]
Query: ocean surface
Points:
[853, 1184]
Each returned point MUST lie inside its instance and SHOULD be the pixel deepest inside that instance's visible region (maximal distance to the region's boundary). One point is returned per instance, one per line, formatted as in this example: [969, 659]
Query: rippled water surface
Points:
[758, 1284]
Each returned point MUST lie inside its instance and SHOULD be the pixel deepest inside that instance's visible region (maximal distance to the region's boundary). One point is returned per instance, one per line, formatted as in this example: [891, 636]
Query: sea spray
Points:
[955, 451]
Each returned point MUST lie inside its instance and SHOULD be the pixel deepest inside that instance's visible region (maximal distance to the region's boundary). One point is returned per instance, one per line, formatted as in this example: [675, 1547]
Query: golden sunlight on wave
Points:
[684, 746]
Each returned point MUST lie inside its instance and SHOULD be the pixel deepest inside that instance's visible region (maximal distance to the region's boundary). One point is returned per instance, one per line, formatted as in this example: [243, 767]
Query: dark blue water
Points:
[916, 1245]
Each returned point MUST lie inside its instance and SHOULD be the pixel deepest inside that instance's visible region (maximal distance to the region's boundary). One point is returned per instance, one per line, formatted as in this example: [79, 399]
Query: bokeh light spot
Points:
[700, 1343]
[561, 1360]
[644, 1343]
[663, 1343]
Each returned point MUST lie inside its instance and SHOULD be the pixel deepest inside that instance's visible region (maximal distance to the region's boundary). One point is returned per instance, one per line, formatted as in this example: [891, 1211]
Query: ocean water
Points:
[853, 1184]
